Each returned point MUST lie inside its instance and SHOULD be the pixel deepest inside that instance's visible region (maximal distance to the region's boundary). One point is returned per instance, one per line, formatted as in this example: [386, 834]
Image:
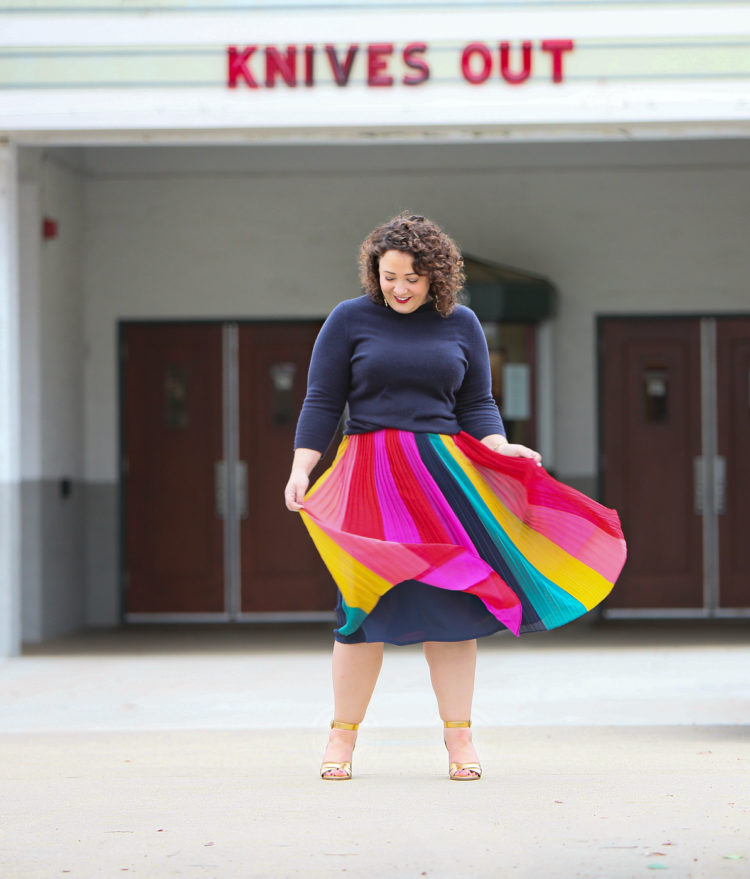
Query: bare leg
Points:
[355, 672]
[452, 666]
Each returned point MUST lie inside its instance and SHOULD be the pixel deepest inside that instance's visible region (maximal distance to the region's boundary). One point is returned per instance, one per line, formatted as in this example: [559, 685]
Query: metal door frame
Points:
[708, 467]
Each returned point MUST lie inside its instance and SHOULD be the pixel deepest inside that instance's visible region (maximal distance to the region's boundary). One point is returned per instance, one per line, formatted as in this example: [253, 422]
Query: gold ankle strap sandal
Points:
[345, 767]
[455, 768]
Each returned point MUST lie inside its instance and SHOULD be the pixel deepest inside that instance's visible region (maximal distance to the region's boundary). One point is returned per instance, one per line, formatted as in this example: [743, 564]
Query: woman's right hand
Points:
[296, 489]
[299, 479]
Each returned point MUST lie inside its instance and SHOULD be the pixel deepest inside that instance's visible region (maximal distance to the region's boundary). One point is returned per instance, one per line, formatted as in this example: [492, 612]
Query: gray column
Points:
[10, 449]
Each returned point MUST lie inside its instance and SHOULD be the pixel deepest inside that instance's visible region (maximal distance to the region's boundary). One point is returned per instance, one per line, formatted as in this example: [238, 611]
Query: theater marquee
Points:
[384, 65]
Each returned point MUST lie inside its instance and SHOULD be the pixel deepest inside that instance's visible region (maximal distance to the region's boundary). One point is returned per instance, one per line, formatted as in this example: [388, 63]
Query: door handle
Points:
[719, 485]
[220, 488]
[698, 485]
[240, 489]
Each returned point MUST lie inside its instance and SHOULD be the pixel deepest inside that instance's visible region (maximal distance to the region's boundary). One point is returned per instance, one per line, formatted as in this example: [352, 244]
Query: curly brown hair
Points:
[434, 254]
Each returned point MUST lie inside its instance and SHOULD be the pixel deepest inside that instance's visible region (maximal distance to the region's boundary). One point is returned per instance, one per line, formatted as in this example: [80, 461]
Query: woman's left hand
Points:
[513, 450]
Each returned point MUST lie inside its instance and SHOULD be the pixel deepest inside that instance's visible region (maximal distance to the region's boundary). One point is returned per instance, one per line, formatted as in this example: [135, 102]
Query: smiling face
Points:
[404, 290]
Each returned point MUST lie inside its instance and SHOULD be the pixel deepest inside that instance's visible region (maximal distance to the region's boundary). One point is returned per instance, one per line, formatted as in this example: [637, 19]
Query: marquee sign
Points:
[385, 66]
[468, 72]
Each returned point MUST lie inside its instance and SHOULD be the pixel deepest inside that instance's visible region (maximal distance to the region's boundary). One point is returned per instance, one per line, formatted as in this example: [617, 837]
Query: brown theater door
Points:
[172, 437]
[280, 568]
[208, 414]
[675, 418]
[733, 404]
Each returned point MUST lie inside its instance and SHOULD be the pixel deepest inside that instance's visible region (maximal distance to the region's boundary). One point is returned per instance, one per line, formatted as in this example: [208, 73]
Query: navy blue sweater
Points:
[419, 372]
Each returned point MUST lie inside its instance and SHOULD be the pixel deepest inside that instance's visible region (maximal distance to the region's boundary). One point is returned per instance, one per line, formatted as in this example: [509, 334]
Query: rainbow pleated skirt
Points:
[461, 527]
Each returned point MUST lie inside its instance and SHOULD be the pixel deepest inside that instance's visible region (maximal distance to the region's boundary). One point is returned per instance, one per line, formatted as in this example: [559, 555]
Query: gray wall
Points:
[53, 520]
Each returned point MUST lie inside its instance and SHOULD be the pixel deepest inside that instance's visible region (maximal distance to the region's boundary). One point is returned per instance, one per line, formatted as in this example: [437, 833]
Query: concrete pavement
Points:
[609, 751]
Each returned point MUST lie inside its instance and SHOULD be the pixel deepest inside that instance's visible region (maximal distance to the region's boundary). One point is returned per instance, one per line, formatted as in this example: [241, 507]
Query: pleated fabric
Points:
[400, 517]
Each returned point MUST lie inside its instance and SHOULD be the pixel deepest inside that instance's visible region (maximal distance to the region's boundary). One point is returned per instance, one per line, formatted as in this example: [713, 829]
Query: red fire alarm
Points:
[49, 228]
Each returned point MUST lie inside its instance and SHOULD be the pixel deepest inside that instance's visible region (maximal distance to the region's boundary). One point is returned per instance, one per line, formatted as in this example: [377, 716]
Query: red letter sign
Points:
[309, 68]
[410, 60]
[376, 62]
[238, 68]
[341, 72]
[557, 47]
[481, 75]
[277, 64]
[505, 71]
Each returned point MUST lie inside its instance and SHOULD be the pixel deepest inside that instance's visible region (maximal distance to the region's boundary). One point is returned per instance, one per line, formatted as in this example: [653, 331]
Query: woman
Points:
[435, 528]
